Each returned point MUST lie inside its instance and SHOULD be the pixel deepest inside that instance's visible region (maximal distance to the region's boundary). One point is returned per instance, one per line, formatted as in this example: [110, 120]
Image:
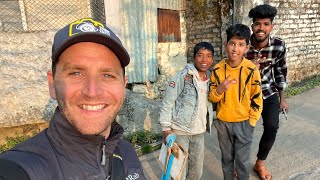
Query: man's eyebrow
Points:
[72, 67]
[107, 69]
[112, 70]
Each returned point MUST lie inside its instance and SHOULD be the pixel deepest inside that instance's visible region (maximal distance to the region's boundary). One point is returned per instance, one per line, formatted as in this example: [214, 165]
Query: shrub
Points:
[12, 141]
[143, 137]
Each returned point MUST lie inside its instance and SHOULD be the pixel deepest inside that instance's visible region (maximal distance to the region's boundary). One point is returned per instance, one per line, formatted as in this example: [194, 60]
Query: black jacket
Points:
[60, 152]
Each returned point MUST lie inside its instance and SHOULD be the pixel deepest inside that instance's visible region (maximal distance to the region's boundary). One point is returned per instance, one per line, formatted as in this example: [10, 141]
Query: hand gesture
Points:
[225, 85]
[259, 60]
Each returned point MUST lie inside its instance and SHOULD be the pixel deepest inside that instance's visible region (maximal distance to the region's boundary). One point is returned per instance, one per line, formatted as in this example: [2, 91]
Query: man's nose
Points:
[235, 48]
[92, 87]
[261, 27]
[206, 58]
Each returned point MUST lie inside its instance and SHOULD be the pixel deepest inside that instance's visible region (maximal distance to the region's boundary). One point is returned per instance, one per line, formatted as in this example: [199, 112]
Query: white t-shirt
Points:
[200, 121]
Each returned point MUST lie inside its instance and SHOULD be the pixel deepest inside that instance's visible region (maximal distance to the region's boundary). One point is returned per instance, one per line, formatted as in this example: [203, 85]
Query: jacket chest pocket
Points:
[189, 90]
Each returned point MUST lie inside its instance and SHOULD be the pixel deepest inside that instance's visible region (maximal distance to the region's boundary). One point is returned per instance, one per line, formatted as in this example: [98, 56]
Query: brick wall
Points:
[205, 20]
[298, 23]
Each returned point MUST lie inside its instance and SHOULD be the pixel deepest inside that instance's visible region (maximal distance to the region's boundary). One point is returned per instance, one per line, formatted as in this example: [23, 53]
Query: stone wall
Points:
[25, 59]
[24, 62]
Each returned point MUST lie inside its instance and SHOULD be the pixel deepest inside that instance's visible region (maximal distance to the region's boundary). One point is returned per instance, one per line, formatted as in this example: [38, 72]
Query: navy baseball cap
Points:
[88, 30]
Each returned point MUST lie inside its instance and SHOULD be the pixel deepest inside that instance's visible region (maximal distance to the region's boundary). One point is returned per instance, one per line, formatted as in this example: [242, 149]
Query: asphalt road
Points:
[295, 154]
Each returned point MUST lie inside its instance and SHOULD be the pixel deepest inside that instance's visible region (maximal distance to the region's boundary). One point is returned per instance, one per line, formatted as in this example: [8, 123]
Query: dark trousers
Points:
[270, 116]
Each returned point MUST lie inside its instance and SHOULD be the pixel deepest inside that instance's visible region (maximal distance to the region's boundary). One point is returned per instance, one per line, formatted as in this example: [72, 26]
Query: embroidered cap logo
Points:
[87, 25]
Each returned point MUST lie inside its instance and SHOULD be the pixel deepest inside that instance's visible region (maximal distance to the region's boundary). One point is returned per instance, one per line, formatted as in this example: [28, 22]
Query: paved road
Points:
[295, 155]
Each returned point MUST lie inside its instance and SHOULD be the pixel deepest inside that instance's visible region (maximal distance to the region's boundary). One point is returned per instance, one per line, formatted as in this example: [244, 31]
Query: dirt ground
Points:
[29, 129]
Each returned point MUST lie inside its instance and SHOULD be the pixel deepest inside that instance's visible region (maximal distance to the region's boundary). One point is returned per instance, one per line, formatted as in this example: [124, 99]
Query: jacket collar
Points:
[67, 137]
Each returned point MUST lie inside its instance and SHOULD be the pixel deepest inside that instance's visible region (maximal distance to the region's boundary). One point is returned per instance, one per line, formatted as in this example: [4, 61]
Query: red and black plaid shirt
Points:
[274, 69]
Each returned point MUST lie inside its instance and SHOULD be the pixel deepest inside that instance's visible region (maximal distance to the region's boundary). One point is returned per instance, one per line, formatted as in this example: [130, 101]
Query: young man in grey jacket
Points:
[186, 111]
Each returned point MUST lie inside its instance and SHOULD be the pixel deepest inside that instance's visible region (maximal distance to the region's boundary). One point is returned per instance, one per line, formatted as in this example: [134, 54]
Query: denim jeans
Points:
[194, 145]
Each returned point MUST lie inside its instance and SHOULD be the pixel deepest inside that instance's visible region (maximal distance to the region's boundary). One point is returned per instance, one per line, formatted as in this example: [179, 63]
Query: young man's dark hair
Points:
[239, 30]
[263, 11]
[202, 45]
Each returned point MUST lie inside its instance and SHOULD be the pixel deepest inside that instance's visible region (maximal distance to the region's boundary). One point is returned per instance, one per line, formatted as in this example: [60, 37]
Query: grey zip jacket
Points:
[180, 103]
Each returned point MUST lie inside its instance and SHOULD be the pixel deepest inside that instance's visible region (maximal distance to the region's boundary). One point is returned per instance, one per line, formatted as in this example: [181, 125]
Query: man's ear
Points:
[225, 45]
[247, 48]
[52, 90]
[125, 81]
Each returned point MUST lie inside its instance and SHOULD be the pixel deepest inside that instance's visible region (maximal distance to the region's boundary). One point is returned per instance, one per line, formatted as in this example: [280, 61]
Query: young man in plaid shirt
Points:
[269, 54]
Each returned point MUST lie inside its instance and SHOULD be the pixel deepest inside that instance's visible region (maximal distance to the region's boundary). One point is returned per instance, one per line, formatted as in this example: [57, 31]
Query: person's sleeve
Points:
[9, 170]
[213, 96]
[256, 98]
[173, 90]
[280, 70]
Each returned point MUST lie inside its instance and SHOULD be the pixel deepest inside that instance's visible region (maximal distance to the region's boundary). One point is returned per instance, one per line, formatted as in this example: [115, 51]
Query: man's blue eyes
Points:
[75, 73]
[107, 76]
[79, 74]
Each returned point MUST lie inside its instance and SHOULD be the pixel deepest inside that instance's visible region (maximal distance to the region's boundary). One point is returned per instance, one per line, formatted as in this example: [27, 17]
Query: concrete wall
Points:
[24, 61]
[39, 18]
[29, 15]
[10, 18]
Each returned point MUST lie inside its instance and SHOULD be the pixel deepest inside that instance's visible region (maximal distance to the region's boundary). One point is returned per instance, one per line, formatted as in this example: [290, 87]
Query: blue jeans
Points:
[194, 145]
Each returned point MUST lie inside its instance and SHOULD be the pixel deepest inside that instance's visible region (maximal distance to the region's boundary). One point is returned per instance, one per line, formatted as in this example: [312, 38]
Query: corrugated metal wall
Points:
[139, 35]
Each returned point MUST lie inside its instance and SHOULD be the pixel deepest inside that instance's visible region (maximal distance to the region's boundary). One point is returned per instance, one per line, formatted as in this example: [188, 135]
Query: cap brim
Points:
[105, 40]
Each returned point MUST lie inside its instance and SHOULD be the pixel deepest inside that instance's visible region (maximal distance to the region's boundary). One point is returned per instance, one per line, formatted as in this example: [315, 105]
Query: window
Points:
[168, 26]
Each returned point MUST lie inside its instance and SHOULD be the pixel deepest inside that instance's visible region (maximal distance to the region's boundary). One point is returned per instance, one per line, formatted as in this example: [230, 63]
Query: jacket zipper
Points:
[103, 159]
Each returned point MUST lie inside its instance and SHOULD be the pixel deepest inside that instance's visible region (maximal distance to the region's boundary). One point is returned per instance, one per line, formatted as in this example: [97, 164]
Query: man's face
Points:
[89, 86]
[261, 29]
[203, 60]
[235, 48]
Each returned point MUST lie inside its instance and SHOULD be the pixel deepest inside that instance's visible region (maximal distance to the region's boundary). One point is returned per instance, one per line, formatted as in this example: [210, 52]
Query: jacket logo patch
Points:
[188, 77]
[132, 177]
[172, 84]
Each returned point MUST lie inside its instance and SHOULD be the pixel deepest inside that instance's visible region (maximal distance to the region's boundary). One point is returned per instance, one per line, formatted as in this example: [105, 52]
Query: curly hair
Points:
[263, 11]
